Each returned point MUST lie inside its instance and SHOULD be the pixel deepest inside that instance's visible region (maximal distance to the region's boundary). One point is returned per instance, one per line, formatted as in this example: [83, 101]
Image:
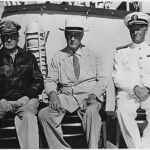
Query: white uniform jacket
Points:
[132, 67]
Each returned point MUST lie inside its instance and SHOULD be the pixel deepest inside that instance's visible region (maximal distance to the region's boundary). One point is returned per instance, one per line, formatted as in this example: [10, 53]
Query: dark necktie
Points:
[76, 65]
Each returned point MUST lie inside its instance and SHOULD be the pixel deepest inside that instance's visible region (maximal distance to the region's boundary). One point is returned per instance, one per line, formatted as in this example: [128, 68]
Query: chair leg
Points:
[104, 134]
[117, 134]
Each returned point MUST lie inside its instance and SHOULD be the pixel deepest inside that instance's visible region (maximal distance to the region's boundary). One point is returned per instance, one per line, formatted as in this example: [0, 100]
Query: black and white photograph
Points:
[74, 74]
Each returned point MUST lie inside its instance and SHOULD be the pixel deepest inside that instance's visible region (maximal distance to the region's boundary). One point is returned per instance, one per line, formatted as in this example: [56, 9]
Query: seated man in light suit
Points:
[83, 78]
[132, 78]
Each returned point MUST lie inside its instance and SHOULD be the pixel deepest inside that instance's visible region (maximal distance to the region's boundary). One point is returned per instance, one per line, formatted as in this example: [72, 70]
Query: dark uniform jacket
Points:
[21, 77]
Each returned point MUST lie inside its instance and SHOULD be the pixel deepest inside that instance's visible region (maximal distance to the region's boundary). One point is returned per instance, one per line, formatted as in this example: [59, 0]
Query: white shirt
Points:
[13, 54]
[132, 67]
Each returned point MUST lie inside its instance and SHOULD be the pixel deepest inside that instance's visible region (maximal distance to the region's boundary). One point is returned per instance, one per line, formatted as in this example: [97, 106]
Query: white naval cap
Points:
[137, 18]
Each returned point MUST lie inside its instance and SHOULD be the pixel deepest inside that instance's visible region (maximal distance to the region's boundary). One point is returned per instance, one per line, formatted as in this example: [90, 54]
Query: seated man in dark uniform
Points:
[21, 82]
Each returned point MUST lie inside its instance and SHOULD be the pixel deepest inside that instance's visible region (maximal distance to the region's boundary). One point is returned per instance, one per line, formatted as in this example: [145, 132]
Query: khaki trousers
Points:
[51, 122]
[26, 124]
[126, 113]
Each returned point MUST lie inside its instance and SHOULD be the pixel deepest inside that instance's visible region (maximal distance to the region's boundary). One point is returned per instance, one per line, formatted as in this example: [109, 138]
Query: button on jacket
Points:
[132, 67]
[21, 77]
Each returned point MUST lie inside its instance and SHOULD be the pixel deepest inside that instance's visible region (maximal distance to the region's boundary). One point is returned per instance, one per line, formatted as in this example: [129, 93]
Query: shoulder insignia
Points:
[121, 47]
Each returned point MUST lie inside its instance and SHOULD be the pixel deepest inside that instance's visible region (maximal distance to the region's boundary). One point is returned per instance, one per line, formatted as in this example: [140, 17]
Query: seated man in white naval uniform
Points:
[131, 76]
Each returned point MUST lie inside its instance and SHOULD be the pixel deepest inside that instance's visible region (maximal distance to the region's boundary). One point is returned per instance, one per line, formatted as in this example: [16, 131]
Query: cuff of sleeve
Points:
[93, 95]
[97, 98]
[52, 92]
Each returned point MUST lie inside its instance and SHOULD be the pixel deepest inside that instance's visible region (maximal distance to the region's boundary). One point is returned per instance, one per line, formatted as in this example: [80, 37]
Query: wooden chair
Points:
[73, 132]
[140, 119]
[8, 136]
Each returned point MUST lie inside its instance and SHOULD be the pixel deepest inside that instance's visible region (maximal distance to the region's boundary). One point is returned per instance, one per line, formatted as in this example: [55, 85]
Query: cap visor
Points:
[136, 22]
[74, 30]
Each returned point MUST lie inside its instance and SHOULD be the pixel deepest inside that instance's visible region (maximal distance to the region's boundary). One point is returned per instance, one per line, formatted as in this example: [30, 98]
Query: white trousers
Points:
[51, 122]
[126, 113]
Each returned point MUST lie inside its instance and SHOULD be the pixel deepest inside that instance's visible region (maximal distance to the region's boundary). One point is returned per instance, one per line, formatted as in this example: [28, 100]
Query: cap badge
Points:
[134, 18]
[8, 25]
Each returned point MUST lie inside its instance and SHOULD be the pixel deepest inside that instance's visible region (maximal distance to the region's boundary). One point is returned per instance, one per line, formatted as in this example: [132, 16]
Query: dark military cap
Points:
[8, 26]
